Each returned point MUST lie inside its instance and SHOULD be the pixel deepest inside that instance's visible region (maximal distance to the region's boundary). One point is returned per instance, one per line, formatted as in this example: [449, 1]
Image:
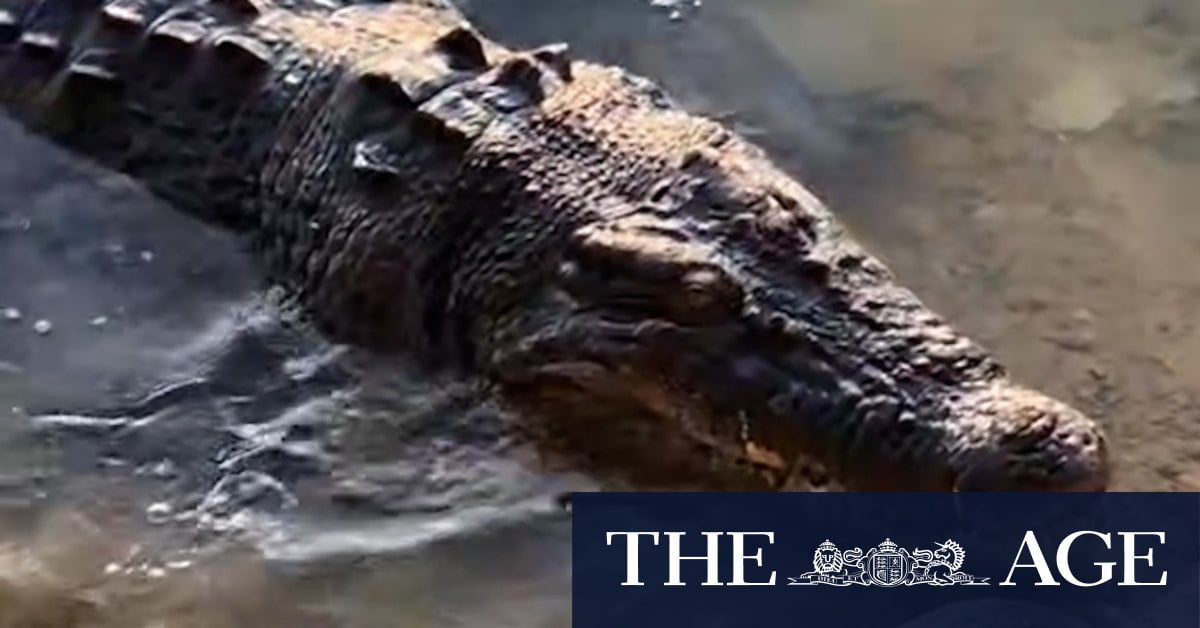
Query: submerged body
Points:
[555, 226]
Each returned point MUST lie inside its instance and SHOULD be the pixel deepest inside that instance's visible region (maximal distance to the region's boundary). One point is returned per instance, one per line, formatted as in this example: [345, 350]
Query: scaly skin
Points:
[556, 226]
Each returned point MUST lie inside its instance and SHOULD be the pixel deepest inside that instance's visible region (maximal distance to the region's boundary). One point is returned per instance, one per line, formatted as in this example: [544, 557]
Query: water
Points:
[1036, 184]
[172, 454]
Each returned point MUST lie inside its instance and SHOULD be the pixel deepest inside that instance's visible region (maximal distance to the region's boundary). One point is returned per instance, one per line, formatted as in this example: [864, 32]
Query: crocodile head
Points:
[735, 309]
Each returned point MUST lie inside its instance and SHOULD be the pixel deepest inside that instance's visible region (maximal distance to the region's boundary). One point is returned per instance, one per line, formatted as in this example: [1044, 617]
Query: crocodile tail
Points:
[157, 89]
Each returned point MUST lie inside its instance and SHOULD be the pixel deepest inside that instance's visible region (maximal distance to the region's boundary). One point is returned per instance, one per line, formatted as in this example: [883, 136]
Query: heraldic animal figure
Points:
[853, 566]
[945, 561]
[832, 566]
[888, 565]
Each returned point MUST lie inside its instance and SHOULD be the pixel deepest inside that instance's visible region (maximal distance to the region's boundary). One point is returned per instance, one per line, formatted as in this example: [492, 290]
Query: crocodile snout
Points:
[1017, 439]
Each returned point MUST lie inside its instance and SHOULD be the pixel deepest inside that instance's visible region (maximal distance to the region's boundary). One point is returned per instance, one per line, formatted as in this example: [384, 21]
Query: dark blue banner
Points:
[1115, 560]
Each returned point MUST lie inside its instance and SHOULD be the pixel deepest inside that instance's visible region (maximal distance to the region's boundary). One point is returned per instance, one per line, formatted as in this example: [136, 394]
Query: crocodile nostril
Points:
[1054, 465]
[1021, 440]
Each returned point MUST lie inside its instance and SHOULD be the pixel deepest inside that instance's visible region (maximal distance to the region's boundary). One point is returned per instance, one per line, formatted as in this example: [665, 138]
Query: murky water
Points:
[174, 453]
[1035, 181]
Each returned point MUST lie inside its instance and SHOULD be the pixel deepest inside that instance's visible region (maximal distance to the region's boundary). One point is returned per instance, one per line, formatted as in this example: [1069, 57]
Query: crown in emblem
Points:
[827, 545]
[888, 546]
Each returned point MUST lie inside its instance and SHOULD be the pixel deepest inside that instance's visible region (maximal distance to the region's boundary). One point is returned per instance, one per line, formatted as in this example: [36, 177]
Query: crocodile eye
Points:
[650, 273]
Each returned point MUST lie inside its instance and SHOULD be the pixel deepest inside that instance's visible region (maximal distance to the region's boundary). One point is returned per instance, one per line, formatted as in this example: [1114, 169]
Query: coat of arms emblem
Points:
[888, 565]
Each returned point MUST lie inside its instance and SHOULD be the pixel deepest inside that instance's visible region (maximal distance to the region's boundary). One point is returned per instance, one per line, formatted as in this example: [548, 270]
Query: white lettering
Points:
[1064, 558]
[632, 540]
[1039, 562]
[1130, 542]
[675, 558]
[740, 557]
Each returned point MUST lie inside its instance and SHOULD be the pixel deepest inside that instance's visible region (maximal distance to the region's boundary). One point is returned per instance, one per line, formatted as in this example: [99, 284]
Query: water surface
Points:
[175, 451]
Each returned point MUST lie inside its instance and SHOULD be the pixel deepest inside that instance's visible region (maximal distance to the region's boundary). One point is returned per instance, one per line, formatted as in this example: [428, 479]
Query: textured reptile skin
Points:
[558, 227]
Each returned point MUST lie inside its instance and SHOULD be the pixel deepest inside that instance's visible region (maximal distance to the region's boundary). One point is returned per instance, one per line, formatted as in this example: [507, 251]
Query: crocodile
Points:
[558, 228]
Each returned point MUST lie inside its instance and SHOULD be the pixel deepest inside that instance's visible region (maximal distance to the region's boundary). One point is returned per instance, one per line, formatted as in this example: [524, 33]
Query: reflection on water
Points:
[59, 570]
[173, 454]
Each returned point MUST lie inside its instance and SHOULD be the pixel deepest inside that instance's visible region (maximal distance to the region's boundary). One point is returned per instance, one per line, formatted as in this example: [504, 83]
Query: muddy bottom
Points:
[176, 449]
[1030, 172]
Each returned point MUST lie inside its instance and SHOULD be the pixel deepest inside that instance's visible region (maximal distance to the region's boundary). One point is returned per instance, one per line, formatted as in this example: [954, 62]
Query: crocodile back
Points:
[201, 101]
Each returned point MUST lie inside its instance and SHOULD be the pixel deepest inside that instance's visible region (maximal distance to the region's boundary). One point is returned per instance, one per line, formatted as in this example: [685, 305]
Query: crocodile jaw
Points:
[795, 417]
